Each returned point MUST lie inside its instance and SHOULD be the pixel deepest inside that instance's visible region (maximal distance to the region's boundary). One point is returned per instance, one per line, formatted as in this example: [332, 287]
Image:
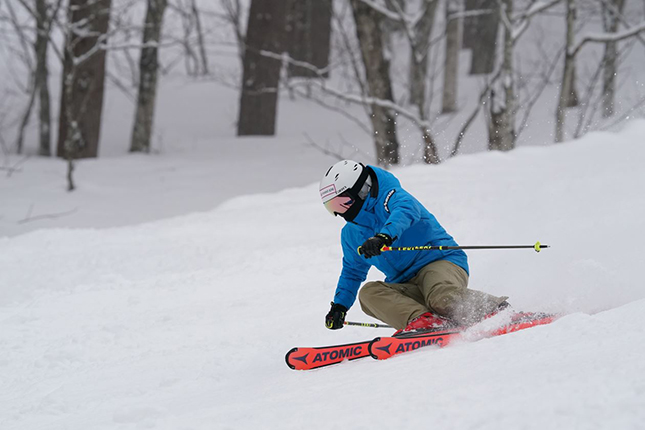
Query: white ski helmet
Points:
[341, 188]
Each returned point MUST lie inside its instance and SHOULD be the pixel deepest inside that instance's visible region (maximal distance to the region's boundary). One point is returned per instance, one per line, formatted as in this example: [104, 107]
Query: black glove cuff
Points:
[336, 307]
[387, 239]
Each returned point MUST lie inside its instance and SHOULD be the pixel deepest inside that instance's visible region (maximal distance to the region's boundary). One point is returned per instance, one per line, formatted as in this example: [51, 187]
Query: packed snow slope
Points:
[184, 323]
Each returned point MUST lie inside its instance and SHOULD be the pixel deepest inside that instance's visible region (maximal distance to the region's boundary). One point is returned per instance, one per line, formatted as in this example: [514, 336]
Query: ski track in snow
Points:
[184, 323]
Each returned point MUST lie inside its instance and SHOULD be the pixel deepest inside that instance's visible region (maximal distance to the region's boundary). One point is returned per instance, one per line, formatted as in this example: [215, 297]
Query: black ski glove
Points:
[372, 246]
[335, 319]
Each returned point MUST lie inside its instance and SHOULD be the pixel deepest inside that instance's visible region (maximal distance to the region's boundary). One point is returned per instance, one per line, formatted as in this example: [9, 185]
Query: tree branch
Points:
[525, 18]
[29, 218]
[606, 37]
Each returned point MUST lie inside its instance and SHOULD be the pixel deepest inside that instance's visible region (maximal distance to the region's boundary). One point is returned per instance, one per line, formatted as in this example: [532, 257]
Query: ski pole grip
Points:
[385, 248]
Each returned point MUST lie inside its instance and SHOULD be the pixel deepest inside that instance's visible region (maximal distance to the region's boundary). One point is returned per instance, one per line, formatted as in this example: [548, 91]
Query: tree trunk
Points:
[567, 73]
[148, 71]
[451, 66]
[484, 51]
[390, 26]
[502, 125]
[419, 50]
[377, 72]
[508, 80]
[498, 126]
[470, 24]
[430, 152]
[309, 31]
[610, 25]
[480, 34]
[83, 80]
[41, 77]
[572, 100]
[266, 31]
[419, 56]
[20, 139]
[200, 37]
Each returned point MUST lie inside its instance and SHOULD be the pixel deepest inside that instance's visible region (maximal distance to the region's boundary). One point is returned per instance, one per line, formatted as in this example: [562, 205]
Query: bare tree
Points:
[27, 59]
[148, 70]
[503, 110]
[482, 23]
[572, 49]
[473, 11]
[419, 38]
[43, 15]
[505, 103]
[309, 35]
[83, 79]
[201, 42]
[377, 72]
[233, 13]
[417, 29]
[261, 75]
[502, 114]
[195, 57]
[451, 58]
[611, 11]
[43, 27]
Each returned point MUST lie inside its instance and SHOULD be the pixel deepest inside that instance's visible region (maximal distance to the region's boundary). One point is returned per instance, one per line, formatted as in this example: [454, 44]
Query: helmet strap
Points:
[355, 190]
[374, 188]
[359, 182]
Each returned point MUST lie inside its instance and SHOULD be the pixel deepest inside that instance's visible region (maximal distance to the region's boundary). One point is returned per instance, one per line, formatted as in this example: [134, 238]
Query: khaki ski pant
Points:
[441, 287]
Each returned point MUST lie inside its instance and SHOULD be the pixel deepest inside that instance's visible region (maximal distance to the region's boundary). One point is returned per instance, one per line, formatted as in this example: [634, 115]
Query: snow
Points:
[183, 323]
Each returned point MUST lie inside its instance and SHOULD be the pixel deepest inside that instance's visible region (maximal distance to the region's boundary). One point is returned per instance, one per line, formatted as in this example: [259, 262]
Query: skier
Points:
[422, 289]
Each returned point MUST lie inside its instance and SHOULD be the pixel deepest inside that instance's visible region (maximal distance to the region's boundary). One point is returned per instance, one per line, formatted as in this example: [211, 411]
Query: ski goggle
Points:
[339, 204]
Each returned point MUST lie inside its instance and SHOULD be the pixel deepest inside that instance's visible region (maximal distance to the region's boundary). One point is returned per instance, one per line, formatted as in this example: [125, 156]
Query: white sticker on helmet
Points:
[328, 191]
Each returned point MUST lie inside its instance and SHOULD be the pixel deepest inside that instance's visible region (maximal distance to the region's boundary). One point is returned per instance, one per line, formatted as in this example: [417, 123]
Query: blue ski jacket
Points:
[398, 214]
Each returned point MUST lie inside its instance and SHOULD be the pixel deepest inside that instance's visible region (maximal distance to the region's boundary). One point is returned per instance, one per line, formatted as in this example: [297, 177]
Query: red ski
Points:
[385, 347]
[382, 348]
[321, 356]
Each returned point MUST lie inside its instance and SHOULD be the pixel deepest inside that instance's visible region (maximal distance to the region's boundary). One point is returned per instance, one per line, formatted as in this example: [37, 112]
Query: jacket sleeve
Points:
[403, 210]
[353, 274]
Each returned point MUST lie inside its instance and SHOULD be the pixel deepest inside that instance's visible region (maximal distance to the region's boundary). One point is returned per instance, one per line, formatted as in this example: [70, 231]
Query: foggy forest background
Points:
[424, 80]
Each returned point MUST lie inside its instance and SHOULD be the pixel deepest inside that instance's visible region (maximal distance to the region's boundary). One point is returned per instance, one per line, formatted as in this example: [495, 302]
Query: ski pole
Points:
[537, 247]
[365, 324]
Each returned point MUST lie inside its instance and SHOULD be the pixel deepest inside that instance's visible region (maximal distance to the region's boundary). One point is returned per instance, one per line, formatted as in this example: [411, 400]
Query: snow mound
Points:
[184, 323]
